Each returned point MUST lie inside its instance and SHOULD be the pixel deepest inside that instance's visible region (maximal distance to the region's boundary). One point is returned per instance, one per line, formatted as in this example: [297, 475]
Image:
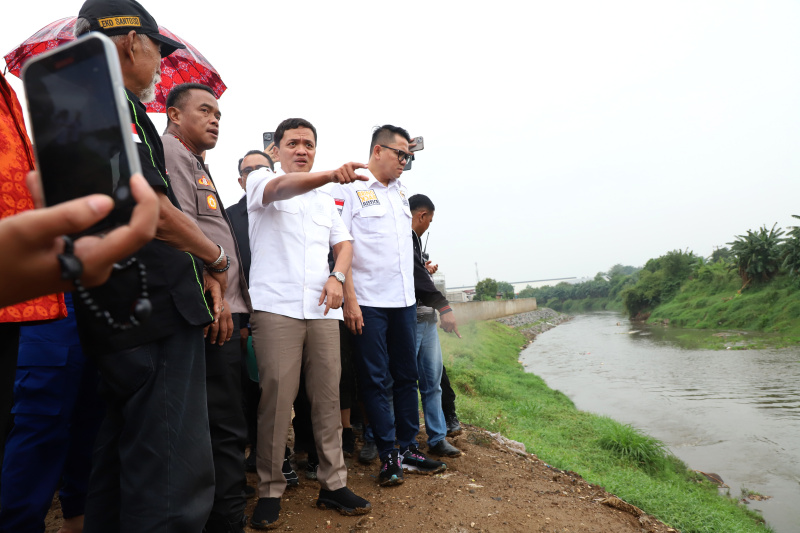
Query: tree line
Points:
[756, 257]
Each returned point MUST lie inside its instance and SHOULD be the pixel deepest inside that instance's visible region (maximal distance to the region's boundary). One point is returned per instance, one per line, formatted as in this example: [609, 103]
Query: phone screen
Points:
[78, 133]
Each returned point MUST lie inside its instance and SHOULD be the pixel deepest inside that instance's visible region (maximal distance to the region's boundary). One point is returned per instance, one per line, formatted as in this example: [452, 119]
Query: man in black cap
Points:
[153, 469]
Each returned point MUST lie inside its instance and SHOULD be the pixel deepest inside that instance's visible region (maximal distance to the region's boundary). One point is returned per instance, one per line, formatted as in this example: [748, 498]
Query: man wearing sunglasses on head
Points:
[380, 304]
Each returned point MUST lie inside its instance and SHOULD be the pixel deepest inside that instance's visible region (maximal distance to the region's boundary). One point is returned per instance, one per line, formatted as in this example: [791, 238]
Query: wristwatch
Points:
[339, 277]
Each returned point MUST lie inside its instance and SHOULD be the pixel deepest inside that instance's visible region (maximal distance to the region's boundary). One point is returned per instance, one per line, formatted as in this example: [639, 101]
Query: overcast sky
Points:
[560, 137]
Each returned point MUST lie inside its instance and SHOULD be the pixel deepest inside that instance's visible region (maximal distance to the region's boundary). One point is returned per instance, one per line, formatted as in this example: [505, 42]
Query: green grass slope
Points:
[495, 393]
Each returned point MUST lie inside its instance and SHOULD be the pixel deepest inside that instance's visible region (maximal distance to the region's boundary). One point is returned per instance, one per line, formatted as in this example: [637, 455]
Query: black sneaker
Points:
[311, 469]
[368, 453]
[344, 501]
[391, 470]
[266, 514]
[453, 425]
[444, 448]
[348, 442]
[415, 461]
[289, 473]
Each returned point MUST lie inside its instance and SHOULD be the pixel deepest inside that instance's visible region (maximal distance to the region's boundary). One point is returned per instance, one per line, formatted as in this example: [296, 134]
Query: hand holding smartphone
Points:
[416, 144]
[81, 126]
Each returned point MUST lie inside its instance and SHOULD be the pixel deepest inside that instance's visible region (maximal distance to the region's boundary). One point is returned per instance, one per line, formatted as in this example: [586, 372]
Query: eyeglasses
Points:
[402, 157]
[247, 170]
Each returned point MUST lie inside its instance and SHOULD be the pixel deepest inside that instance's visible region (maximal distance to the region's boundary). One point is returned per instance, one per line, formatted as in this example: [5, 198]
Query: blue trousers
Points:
[57, 413]
[387, 347]
[152, 468]
[429, 366]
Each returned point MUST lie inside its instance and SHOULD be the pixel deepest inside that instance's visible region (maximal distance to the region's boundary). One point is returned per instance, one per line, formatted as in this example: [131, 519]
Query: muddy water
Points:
[732, 412]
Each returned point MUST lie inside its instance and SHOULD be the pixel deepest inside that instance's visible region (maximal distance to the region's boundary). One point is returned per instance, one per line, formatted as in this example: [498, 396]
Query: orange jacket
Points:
[16, 160]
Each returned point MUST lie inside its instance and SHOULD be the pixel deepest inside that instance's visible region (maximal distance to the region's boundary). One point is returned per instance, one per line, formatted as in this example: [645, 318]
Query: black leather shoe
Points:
[266, 514]
[344, 501]
[225, 525]
[444, 448]
[368, 453]
[453, 426]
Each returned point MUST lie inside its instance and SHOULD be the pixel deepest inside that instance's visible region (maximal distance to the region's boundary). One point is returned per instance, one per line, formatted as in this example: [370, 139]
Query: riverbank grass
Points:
[712, 302]
[495, 393]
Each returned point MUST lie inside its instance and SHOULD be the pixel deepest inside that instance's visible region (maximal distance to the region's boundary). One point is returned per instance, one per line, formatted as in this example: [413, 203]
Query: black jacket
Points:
[174, 278]
[426, 292]
[237, 214]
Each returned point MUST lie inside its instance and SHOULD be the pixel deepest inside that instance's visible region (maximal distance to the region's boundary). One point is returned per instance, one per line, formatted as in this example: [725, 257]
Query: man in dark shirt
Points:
[152, 468]
[429, 352]
[252, 160]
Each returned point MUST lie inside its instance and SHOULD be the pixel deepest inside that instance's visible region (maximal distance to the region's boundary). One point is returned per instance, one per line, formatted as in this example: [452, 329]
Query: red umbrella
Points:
[181, 66]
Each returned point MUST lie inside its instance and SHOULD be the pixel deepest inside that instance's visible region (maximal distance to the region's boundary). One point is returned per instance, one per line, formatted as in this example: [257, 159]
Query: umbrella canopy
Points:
[181, 66]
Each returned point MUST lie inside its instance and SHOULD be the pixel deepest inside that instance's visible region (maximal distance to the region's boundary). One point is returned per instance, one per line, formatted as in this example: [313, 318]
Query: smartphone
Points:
[420, 144]
[269, 138]
[81, 126]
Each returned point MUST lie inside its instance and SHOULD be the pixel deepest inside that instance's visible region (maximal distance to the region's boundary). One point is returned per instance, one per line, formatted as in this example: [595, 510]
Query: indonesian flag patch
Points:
[136, 138]
[339, 204]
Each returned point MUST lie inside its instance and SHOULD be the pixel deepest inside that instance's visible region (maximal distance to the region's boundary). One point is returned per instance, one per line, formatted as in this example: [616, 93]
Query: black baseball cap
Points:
[118, 17]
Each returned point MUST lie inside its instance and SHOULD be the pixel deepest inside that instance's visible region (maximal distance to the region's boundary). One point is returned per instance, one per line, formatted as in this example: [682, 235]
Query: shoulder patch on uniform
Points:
[211, 200]
[206, 182]
[339, 204]
[368, 198]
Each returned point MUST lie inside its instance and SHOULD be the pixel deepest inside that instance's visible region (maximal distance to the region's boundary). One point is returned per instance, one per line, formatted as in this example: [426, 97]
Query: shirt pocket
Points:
[370, 219]
[207, 199]
[287, 216]
[321, 214]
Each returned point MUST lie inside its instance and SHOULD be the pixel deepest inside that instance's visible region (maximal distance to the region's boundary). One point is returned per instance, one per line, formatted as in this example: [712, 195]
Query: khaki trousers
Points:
[283, 346]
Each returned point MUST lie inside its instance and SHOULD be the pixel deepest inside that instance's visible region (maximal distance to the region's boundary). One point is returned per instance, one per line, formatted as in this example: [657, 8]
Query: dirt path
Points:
[491, 488]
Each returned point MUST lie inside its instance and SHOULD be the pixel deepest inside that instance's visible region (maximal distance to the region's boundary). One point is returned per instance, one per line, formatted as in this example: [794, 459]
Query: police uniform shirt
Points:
[197, 194]
[174, 278]
[289, 241]
[379, 219]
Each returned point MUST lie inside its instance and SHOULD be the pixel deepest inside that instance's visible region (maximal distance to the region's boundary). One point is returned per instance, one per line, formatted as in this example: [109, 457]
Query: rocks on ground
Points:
[536, 322]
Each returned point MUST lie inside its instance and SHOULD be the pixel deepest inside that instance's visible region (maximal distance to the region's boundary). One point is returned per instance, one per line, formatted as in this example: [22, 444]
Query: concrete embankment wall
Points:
[473, 311]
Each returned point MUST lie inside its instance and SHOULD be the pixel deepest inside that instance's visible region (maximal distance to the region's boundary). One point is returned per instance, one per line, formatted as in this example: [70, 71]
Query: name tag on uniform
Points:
[368, 198]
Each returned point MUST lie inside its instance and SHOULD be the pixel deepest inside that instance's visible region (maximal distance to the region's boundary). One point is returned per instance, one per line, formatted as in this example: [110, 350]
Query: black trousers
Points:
[303, 430]
[448, 396]
[9, 345]
[227, 424]
[152, 468]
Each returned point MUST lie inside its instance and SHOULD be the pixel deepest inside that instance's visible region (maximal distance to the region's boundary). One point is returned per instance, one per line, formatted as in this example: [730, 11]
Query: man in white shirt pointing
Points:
[297, 304]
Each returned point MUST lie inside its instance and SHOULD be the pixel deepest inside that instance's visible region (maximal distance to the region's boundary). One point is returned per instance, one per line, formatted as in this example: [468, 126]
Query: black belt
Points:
[427, 317]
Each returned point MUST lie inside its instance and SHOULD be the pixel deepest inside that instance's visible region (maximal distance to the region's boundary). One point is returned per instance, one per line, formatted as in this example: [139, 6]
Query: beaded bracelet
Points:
[72, 269]
[221, 270]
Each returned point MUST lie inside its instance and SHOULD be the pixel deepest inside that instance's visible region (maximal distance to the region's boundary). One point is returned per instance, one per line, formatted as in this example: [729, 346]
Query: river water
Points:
[732, 412]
